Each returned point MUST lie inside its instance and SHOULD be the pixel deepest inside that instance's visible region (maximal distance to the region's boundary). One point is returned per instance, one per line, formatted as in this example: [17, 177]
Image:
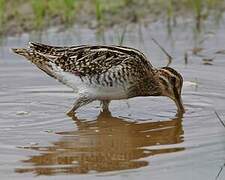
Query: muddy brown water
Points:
[140, 138]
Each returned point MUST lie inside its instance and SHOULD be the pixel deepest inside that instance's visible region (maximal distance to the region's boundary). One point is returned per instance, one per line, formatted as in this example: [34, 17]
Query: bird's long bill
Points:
[180, 105]
[179, 102]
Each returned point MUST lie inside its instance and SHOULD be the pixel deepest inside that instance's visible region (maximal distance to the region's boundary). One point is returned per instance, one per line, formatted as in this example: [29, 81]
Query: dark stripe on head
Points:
[176, 74]
[173, 81]
[173, 72]
[175, 91]
[164, 82]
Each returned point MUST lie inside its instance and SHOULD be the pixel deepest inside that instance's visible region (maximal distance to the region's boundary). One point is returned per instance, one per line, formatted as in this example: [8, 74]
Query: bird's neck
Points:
[151, 85]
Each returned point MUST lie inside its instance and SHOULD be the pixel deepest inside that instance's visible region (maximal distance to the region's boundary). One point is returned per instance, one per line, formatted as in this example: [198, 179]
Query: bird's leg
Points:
[80, 101]
[105, 105]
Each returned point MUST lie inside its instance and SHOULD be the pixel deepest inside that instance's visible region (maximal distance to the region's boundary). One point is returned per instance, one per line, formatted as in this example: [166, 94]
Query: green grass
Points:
[42, 13]
[197, 6]
[69, 11]
[200, 8]
[170, 15]
[2, 9]
[55, 7]
[205, 8]
[170, 9]
[98, 10]
[39, 8]
[65, 9]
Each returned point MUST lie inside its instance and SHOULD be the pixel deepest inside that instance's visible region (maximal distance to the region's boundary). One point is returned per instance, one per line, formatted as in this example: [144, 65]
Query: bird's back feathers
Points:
[102, 66]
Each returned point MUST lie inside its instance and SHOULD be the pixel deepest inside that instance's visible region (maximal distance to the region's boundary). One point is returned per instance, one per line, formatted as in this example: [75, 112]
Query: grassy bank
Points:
[27, 15]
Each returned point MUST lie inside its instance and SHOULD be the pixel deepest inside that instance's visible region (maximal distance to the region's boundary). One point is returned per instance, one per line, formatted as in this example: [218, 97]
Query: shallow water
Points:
[140, 138]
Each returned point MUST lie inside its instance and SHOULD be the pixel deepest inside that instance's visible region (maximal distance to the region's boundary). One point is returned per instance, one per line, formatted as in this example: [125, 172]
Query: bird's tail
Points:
[39, 59]
[21, 51]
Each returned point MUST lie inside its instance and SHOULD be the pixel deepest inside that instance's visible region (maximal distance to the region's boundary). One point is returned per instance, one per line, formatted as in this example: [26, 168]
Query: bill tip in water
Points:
[180, 113]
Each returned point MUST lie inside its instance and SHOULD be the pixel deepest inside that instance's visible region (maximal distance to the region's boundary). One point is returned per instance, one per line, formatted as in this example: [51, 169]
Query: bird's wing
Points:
[90, 60]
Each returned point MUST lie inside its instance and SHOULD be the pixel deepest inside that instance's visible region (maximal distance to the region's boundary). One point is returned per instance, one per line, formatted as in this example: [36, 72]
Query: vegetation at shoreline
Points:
[27, 15]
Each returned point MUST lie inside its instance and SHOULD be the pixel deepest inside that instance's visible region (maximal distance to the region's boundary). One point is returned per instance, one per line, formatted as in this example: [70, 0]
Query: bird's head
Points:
[171, 83]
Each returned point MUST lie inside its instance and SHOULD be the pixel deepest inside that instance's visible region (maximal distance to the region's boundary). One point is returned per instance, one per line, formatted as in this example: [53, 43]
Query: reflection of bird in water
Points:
[105, 73]
[106, 144]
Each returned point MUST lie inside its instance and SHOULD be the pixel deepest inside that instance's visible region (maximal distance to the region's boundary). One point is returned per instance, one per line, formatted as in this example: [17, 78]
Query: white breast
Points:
[92, 90]
[106, 93]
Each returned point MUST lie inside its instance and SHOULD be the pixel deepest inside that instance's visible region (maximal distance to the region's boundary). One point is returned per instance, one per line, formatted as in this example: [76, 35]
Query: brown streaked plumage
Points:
[105, 73]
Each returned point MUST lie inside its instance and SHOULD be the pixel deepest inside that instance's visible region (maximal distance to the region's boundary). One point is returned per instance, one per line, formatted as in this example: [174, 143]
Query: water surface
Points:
[140, 138]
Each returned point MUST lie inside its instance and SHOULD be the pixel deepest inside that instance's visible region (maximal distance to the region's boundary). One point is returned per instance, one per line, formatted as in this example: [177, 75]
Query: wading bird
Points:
[105, 73]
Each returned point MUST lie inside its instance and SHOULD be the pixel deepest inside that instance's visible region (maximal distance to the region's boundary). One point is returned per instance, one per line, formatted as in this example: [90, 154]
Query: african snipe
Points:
[105, 73]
